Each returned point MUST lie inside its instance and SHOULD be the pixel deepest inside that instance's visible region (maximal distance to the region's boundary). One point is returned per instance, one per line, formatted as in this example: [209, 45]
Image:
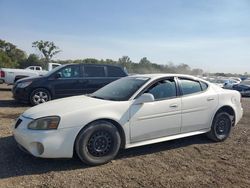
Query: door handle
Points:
[210, 99]
[173, 105]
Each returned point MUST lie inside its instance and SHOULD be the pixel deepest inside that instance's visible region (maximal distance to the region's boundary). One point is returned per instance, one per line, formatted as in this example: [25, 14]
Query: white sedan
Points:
[132, 111]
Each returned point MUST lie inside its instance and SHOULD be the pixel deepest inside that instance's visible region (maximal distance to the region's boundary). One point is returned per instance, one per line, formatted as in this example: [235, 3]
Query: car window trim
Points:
[117, 67]
[94, 65]
[204, 83]
[155, 81]
[52, 77]
[196, 80]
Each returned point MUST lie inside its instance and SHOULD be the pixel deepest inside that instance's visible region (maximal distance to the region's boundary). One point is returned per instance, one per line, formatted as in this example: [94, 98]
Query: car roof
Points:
[95, 64]
[156, 76]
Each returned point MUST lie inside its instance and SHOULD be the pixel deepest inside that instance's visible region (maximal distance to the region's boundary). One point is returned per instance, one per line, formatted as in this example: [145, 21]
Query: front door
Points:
[96, 78]
[68, 83]
[159, 118]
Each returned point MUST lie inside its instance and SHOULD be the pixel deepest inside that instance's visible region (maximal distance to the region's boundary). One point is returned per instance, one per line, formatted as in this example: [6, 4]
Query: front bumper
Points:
[239, 115]
[20, 94]
[46, 143]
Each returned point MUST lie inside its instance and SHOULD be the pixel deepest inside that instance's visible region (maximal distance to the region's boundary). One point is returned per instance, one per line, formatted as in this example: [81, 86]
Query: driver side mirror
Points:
[146, 97]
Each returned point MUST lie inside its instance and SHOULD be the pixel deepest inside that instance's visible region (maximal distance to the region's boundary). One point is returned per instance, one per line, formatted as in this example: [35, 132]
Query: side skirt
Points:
[162, 139]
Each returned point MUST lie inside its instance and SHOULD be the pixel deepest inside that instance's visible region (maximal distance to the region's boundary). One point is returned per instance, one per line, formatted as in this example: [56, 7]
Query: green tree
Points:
[125, 61]
[90, 61]
[32, 60]
[144, 60]
[47, 48]
[12, 52]
[197, 72]
[183, 69]
[5, 61]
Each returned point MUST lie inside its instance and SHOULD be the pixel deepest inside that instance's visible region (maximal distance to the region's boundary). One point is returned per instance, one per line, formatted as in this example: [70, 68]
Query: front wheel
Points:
[39, 96]
[221, 127]
[98, 143]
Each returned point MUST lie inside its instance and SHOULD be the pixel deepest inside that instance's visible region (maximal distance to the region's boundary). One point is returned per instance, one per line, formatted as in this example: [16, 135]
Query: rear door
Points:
[67, 81]
[198, 102]
[95, 76]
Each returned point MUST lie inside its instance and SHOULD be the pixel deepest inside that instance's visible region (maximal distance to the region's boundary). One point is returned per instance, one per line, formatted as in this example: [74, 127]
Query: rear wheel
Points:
[221, 127]
[39, 96]
[98, 143]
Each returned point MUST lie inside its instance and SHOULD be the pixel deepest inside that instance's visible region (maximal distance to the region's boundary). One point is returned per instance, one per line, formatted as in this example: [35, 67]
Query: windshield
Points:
[54, 70]
[120, 90]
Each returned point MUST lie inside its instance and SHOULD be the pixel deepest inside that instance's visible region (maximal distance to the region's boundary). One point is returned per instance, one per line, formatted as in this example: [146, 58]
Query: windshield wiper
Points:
[96, 97]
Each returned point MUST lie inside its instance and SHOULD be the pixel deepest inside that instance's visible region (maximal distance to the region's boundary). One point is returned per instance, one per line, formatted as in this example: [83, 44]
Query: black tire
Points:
[98, 143]
[221, 127]
[39, 96]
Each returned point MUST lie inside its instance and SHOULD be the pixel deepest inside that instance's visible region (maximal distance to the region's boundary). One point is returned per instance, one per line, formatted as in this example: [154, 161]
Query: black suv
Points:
[66, 80]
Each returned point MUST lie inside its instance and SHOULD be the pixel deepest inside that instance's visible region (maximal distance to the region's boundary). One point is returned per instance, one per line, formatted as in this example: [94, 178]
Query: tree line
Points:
[13, 57]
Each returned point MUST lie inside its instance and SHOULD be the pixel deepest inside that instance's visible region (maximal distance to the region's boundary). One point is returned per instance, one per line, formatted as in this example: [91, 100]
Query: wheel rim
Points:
[40, 97]
[222, 127]
[100, 143]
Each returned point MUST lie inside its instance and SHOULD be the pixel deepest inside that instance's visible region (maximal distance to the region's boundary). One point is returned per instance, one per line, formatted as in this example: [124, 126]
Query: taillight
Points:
[2, 73]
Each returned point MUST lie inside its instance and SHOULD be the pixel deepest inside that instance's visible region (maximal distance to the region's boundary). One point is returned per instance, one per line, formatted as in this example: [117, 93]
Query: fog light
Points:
[36, 148]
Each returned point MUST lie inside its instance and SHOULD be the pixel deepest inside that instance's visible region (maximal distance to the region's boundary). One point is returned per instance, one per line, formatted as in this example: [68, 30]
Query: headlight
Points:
[46, 123]
[24, 84]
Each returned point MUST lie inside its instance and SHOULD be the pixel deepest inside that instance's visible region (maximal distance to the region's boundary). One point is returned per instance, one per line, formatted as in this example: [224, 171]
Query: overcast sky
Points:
[210, 34]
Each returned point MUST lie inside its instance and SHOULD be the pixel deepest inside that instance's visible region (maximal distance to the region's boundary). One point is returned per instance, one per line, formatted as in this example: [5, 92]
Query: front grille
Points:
[19, 121]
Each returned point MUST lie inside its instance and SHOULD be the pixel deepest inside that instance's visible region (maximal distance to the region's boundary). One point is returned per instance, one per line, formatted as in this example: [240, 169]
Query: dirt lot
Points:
[189, 162]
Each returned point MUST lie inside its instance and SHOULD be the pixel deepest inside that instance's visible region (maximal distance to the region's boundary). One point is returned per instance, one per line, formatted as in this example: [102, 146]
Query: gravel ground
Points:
[188, 162]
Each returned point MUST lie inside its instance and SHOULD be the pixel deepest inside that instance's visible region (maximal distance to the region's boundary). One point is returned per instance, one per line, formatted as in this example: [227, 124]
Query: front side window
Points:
[94, 71]
[189, 86]
[69, 72]
[163, 89]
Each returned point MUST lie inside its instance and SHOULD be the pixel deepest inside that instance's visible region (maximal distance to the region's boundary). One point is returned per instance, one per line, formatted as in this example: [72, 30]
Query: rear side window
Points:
[204, 86]
[190, 86]
[115, 72]
[94, 71]
[37, 68]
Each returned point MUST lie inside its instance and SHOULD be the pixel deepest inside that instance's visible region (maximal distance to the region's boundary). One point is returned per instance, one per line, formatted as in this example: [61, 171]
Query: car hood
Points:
[30, 78]
[64, 106]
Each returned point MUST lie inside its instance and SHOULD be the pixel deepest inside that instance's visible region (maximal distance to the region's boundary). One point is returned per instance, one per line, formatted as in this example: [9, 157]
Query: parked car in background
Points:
[229, 83]
[132, 111]
[217, 81]
[243, 87]
[10, 76]
[238, 80]
[224, 82]
[66, 80]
